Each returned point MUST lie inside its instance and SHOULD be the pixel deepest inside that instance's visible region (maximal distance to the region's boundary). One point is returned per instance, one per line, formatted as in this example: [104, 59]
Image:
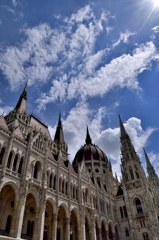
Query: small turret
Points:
[22, 102]
[88, 138]
[59, 136]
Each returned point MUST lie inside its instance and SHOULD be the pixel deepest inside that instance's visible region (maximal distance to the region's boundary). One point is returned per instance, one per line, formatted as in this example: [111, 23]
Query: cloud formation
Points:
[67, 56]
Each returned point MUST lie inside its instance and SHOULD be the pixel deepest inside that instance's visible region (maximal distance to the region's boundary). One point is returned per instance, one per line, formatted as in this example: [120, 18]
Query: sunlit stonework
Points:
[45, 197]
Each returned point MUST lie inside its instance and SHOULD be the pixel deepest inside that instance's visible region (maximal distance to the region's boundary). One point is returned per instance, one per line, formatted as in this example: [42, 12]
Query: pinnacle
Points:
[88, 138]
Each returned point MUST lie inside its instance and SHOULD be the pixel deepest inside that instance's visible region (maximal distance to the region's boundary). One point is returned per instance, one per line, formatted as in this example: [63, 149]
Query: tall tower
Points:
[18, 117]
[153, 178]
[59, 139]
[138, 199]
[130, 162]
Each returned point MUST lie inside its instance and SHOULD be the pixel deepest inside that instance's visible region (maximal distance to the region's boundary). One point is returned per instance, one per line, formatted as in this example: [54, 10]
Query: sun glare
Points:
[156, 3]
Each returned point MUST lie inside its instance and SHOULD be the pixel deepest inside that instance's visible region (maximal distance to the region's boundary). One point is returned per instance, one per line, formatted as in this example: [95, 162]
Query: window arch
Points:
[145, 236]
[131, 173]
[125, 211]
[126, 232]
[2, 155]
[9, 159]
[15, 162]
[36, 170]
[8, 224]
[121, 212]
[20, 166]
[138, 206]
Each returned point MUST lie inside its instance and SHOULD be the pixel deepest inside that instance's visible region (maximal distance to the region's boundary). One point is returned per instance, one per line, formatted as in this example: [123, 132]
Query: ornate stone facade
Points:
[45, 197]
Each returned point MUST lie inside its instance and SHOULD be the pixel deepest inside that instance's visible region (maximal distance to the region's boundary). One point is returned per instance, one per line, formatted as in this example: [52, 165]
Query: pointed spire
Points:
[122, 128]
[88, 138]
[59, 136]
[148, 163]
[22, 104]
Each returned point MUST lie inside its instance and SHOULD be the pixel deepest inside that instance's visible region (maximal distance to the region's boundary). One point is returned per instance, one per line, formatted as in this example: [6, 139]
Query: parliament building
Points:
[43, 196]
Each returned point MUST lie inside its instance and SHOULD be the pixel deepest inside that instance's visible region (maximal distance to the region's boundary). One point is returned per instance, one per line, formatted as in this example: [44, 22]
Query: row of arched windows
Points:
[132, 174]
[15, 162]
[38, 143]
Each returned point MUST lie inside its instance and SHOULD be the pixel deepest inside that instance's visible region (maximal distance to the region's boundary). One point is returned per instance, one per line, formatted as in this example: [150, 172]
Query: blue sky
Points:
[91, 60]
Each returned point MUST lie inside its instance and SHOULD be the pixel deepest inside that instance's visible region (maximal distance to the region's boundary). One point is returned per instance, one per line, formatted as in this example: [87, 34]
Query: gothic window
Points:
[9, 159]
[20, 165]
[138, 206]
[137, 175]
[131, 173]
[35, 175]
[125, 211]
[145, 236]
[63, 183]
[50, 182]
[66, 188]
[77, 193]
[15, 162]
[121, 212]
[126, 232]
[2, 154]
[8, 224]
[105, 187]
[30, 227]
[54, 187]
[98, 181]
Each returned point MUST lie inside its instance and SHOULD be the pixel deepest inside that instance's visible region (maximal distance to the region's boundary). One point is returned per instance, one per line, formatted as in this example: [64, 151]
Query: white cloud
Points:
[123, 38]
[120, 72]
[156, 29]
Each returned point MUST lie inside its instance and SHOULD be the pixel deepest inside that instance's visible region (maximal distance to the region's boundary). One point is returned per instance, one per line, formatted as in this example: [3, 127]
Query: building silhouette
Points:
[45, 197]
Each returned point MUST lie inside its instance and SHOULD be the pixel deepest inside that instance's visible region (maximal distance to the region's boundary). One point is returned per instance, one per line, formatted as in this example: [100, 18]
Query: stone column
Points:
[107, 235]
[67, 228]
[79, 231]
[17, 166]
[100, 233]
[36, 230]
[11, 163]
[54, 226]
[113, 236]
[41, 220]
[83, 232]
[17, 221]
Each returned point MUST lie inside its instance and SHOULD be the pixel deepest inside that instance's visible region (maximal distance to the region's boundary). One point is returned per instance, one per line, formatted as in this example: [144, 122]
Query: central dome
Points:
[89, 152]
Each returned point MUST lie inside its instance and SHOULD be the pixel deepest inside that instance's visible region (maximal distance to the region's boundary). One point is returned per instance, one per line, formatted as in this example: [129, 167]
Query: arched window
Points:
[77, 193]
[30, 228]
[9, 159]
[20, 166]
[126, 232]
[66, 188]
[15, 162]
[121, 212]
[54, 187]
[125, 211]
[50, 183]
[137, 175]
[131, 173]
[138, 206]
[35, 175]
[8, 224]
[145, 236]
[63, 184]
[1, 155]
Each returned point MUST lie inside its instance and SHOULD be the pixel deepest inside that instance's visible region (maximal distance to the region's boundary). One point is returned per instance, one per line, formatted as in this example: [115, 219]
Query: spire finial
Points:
[88, 138]
[122, 128]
